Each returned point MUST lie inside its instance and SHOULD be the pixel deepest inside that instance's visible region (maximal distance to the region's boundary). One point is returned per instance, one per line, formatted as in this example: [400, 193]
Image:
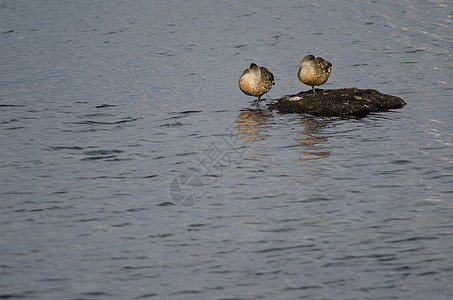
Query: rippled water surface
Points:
[133, 167]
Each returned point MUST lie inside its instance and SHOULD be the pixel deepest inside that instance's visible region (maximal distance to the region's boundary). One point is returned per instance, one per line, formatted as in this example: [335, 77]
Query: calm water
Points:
[133, 167]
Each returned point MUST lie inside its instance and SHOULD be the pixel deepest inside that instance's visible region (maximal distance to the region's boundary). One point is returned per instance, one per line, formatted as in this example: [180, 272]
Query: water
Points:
[105, 105]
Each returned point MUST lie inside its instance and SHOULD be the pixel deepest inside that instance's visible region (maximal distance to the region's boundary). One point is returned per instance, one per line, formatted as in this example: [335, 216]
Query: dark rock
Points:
[339, 102]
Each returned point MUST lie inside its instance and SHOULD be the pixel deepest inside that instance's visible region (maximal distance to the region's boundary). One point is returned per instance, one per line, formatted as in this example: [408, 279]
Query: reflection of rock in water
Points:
[313, 147]
[251, 122]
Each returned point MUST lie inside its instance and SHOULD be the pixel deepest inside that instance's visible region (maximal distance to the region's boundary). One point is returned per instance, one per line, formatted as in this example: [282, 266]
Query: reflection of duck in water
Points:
[256, 81]
[251, 123]
[314, 71]
[312, 140]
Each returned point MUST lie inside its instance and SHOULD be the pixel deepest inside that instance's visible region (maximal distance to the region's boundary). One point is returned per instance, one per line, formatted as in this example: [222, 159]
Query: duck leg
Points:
[258, 100]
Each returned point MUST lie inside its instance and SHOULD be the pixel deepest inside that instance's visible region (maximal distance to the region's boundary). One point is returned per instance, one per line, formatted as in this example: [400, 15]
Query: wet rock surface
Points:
[338, 102]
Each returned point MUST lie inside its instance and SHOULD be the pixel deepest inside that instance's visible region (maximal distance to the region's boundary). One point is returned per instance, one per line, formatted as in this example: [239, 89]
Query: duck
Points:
[314, 71]
[256, 81]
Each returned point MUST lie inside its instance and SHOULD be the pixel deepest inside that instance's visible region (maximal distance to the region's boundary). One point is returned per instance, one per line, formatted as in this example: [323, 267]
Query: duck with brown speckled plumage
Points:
[256, 81]
[314, 71]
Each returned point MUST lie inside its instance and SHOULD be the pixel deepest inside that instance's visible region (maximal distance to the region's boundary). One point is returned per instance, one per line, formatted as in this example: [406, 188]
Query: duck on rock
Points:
[314, 71]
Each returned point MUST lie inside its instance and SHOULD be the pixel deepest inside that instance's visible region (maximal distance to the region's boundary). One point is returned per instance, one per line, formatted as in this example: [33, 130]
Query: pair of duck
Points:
[257, 81]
